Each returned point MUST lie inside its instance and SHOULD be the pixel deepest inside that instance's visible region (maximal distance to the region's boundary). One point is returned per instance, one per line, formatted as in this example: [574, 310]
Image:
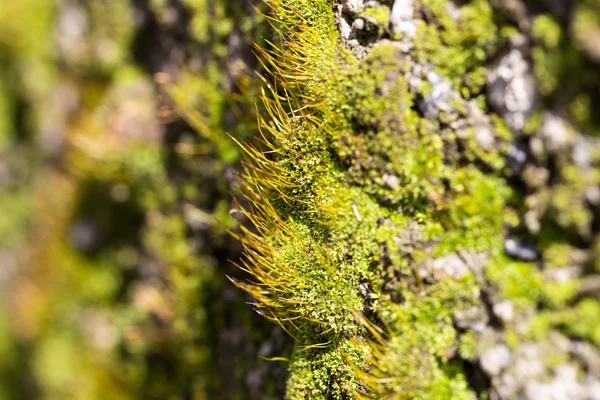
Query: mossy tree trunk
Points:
[427, 211]
[410, 187]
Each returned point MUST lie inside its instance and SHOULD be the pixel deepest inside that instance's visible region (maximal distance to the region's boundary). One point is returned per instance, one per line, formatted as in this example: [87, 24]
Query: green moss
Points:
[586, 26]
[572, 214]
[596, 254]
[467, 347]
[414, 363]
[547, 57]
[29, 73]
[547, 68]
[379, 16]
[324, 373]
[458, 49]
[580, 109]
[211, 22]
[6, 116]
[16, 216]
[519, 282]
[202, 100]
[581, 321]
[559, 294]
[558, 255]
[547, 31]
[367, 168]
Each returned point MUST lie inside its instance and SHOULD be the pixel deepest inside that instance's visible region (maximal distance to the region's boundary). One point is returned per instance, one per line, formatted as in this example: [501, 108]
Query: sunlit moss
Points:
[325, 217]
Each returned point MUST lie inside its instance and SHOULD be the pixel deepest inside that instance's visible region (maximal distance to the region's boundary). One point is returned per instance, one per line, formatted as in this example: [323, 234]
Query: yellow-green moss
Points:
[458, 48]
[328, 224]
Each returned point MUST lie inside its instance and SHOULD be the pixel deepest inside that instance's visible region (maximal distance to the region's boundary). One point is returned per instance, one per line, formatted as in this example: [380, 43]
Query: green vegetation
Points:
[355, 192]
[369, 191]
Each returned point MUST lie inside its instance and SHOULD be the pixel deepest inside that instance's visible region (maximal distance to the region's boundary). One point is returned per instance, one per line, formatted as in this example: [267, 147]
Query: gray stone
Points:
[352, 6]
[495, 359]
[563, 387]
[391, 181]
[592, 194]
[516, 159]
[505, 310]
[536, 177]
[590, 286]
[564, 274]
[358, 24]
[582, 153]
[554, 133]
[592, 387]
[99, 330]
[451, 266]
[485, 138]
[520, 251]
[437, 101]
[473, 318]
[532, 221]
[512, 90]
[528, 363]
[589, 355]
[506, 386]
[85, 235]
[72, 27]
[402, 10]
[345, 29]
[402, 24]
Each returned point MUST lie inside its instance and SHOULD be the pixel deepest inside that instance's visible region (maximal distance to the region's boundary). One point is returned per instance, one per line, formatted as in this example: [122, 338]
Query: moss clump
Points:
[458, 48]
[547, 56]
[580, 321]
[352, 193]
[379, 17]
[414, 361]
[311, 371]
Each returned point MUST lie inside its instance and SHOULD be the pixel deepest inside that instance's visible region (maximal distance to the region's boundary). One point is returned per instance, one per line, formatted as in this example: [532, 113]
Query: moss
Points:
[586, 28]
[519, 282]
[559, 294]
[378, 16]
[353, 172]
[547, 57]
[202, 26]
[467, 347]
[202, 100]
[135, 313]
[458, 48]
[6, 116]
[352, 194]
[580, 109]
[596, 255]
[547, 31]
[572, 214]
[533, 124]
[16, 218]
[104, 46]
[312, 372]
[581, 322]
[414, 363]
[559, 255]
[27, 52]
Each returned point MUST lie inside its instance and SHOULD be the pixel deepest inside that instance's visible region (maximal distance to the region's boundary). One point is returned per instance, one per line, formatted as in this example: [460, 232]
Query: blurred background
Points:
[115, 190]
